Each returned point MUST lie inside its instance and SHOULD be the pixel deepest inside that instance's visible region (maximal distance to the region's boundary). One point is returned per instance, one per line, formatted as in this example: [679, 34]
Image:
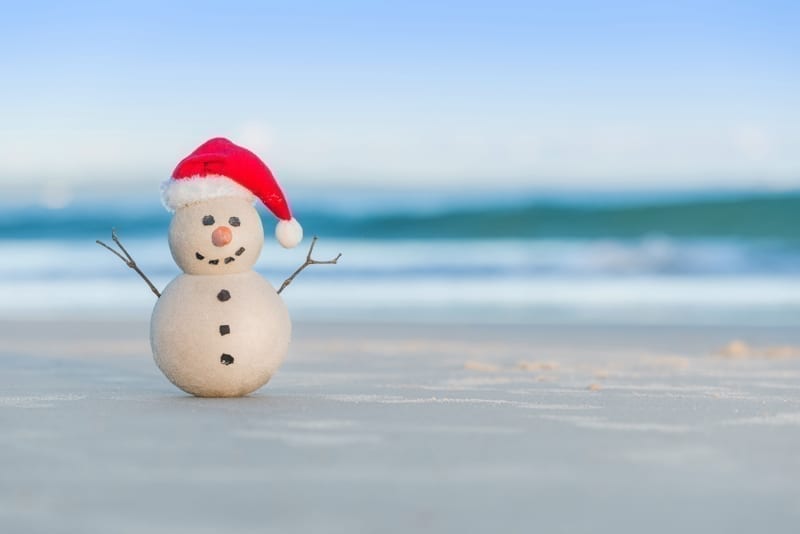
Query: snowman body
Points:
[219, 335]
[219, 329]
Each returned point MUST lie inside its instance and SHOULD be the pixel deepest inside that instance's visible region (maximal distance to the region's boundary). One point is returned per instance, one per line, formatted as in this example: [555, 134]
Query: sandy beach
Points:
[398, 428]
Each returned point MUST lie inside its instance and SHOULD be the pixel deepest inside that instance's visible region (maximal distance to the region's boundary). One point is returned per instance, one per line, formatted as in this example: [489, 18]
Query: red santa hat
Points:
[219, 168]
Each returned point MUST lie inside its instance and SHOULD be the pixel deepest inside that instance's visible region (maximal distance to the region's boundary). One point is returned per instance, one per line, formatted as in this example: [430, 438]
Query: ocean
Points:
[708, 258]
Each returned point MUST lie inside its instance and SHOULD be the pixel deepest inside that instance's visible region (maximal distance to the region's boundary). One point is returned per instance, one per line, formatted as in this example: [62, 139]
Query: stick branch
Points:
[128, 260]
[309, 261]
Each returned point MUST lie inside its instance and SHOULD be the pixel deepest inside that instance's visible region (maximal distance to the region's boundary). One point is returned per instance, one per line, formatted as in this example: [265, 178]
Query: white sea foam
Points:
[487, 281]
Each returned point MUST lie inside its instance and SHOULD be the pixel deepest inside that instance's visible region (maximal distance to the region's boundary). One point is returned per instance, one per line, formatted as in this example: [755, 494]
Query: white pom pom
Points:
[289, 233]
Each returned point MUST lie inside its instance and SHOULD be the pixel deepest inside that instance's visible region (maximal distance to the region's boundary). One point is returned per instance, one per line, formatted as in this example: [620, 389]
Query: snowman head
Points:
[217, 236]
[216, 229]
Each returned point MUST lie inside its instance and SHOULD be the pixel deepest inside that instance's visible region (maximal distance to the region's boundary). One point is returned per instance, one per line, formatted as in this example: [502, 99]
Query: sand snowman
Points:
[220, 329]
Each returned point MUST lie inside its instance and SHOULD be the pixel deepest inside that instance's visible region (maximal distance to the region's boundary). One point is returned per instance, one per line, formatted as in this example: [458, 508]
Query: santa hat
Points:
[219, 168]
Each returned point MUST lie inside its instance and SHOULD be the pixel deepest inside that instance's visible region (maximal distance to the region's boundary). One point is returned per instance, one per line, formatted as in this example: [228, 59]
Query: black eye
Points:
[234, 221]
[208, 220]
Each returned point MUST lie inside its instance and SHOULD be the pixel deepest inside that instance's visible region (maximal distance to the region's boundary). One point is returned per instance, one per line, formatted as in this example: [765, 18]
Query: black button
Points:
[224, 329]
[224, 295]
[226, 359]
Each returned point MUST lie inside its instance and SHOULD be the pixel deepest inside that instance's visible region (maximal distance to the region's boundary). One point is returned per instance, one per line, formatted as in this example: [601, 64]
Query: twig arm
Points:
[309, 261]
[128, 260]
[111, 250]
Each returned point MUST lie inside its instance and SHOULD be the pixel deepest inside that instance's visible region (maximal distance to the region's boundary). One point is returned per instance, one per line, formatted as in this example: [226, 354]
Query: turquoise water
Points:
[761, 216]
[701, 259]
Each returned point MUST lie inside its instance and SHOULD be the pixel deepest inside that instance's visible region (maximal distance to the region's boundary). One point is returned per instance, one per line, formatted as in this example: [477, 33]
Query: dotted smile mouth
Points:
[215, 261]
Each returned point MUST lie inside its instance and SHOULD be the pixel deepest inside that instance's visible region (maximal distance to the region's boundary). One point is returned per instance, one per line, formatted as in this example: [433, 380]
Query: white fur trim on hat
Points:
[289, 233]
[184, 191]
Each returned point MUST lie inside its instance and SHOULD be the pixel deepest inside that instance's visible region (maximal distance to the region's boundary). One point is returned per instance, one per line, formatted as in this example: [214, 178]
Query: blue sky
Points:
[571, 94]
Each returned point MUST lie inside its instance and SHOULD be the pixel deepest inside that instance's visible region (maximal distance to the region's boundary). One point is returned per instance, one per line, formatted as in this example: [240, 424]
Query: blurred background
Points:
[514, 162]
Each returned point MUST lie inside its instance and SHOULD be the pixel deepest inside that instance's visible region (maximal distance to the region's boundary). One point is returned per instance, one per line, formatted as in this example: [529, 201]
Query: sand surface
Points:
[401, 428]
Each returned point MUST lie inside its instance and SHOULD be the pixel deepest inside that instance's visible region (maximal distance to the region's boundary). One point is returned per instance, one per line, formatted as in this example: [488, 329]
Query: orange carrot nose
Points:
[221, 236]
